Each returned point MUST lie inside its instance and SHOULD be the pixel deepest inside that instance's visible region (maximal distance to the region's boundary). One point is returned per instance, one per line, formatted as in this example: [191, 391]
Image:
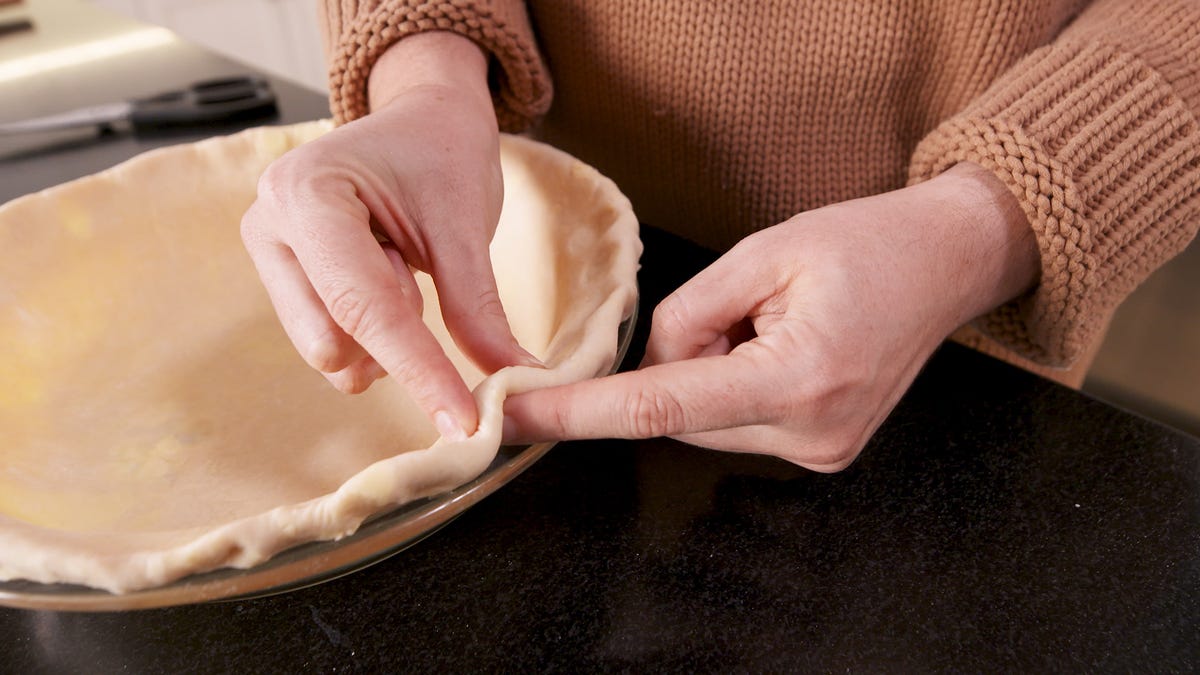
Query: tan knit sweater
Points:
[721, 118]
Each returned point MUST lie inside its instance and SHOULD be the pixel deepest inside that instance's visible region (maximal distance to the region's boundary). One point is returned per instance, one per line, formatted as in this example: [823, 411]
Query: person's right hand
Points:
[423, 171]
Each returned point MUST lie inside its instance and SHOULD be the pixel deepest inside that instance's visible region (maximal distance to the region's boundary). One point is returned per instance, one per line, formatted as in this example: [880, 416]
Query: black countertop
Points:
[996, 521]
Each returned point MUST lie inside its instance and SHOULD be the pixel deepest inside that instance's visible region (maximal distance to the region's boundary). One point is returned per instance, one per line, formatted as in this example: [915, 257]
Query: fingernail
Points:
[528, 359]
[447, 427]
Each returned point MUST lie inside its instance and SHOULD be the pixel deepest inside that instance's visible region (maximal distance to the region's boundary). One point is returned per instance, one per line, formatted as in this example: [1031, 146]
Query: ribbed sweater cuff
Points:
[1104, 159]
[521, 87]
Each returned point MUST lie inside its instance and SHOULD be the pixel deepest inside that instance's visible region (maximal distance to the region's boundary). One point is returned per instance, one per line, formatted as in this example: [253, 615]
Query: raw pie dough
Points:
[154, 419]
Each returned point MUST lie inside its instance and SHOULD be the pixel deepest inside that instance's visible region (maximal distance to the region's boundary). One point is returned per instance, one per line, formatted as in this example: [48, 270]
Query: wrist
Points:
[435, 59]
[991, 251]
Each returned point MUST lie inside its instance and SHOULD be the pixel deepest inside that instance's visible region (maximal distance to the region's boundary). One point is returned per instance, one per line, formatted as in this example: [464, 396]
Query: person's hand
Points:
[422, 172]
[801, 339]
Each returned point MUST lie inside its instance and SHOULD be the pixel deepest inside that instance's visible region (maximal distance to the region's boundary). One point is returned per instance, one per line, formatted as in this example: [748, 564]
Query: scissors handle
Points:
[223, 100]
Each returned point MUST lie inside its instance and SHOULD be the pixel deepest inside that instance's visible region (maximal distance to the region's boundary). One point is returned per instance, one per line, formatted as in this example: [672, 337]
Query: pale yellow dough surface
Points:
[156, 422]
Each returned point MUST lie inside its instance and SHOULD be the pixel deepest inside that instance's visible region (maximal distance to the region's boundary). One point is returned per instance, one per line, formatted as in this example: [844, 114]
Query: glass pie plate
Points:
[309, 564]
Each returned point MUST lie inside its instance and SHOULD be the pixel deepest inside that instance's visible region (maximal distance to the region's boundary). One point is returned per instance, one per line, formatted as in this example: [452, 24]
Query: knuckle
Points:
[349, 381]
[253, 229]
[294, 181]
[755, 246]
[563, 421]
[671, 317]
[654, 413]
[350, 309]
[422, 383]
[280, 187]
[488, 303]
[281, 178]
[325, 354]
[339, 381]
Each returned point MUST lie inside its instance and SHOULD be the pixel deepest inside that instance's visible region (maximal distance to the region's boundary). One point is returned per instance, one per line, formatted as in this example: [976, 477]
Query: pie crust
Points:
[156, 420]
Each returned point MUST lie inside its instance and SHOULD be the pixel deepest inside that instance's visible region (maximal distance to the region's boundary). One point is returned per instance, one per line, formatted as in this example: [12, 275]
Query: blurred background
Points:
[277, 36]
[1149, 363]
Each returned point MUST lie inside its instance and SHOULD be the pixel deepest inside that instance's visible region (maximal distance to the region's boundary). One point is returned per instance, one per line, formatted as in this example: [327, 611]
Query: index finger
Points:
[669, 399]
[358, 285]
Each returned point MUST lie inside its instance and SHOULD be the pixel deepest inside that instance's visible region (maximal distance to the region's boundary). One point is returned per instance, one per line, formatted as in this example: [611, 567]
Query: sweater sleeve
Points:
[1096, 134]
[357, 32]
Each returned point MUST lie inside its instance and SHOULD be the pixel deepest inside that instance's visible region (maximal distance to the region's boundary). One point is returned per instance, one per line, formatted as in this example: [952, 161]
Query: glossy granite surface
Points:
[996, 522]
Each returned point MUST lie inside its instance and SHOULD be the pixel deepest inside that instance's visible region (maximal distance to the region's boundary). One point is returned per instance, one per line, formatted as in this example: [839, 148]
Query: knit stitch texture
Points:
[722, 118]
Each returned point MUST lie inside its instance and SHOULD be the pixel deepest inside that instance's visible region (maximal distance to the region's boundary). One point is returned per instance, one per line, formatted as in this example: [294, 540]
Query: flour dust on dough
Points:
[156, 420]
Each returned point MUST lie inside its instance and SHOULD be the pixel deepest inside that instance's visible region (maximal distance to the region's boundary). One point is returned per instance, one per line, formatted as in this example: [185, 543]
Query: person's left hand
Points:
[801, 339]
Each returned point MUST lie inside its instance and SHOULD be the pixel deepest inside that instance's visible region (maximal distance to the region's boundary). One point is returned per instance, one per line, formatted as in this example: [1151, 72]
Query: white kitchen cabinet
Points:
[277, 36]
